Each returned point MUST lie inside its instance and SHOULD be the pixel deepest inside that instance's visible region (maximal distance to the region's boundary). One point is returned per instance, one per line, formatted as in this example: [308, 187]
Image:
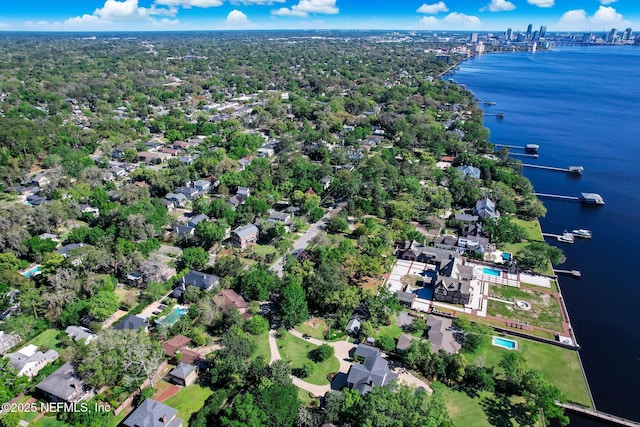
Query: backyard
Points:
[295, 352]
[533, 233]
[545, 309]
[46, 339]
[189, 400]
[558, 365]
[262, 347]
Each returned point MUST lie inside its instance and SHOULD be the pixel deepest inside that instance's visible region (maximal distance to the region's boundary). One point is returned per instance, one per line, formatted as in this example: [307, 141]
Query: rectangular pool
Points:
[32, 272]
[504, 343]
[489, 271]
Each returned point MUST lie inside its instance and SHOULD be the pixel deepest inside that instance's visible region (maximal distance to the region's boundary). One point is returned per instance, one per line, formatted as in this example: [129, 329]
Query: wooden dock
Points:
[556, 196]
[603, 416]
[535, 156]
[574, 273]
[562, 238]
[577, 170]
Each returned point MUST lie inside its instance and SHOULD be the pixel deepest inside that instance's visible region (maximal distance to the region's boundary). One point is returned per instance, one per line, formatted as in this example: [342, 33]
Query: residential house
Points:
[414, 251]
[29, 360]
[176, 199]
[486, 208]
[175, 345]
[373, 372]
[404, 342]
[189, 192]
[64, 251]
[406, 298]
[245, 236]
[276, 218]
[183, 231]
[353, 326]
[87, 209]
[169, 150]
[34, 200]
[244, 163]
[228, 298]
[243, 193]
[79, 333]
[466, 218]
[132, 322]
[152, 413]
[202, 281]
[149, 157]
[186, 160]
[202, 185]
[197, 219]
[326, 182]
[266, 151]
[441, 336]
[65, 385]
[184, 374]
[117, 154]
[41, 180]
[470, 171]
[452, 290]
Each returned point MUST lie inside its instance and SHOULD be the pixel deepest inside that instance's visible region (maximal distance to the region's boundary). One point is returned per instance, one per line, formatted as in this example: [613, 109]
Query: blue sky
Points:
[482, 15]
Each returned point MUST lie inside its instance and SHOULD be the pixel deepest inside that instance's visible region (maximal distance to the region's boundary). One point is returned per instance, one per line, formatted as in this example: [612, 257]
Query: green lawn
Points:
[262, 347]
[295, 352]
[545, 309]
[558, 365]
[189, 400]
[263, 250]
[304, 397]
[484, 410]
[50, 422]
[393, 330]
[316, 331]
[46, 339]
[533, 233]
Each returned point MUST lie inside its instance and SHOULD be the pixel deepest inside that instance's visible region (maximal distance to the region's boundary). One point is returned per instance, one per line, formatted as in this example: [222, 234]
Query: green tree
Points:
[256, 325]
[292, 305]
[244, 412]
[194, 258]
[210, 232]
[338, 224]
[257, 283]
[321, 353]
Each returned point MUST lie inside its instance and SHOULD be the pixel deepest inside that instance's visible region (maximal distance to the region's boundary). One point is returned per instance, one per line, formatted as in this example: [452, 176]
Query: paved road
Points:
[302, 243]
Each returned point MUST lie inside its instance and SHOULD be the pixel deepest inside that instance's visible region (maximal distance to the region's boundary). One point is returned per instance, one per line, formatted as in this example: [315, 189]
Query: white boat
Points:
[581, 232]
[566, 238]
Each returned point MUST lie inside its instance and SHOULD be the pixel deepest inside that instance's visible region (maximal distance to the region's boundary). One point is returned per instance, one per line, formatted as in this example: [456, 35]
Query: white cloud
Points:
[432, 9]
[305, 7]
[499, 6]
[237, 18]
[191, 3]
[453, 21]
[461, 20]
[604, 18]
[115, 11]
[542, 3]
[5, 26]
[257, 2]
[605, 2]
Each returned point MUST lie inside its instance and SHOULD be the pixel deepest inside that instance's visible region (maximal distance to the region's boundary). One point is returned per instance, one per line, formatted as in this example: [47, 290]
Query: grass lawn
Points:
[392, 331]
[115, 421]
[46, 339]
[533, 233]
[295, 352]
[545, 309]
[314, 327]
[127, 295]
[50, 422]
[262, 347]
[484, 410]
[558, 365]
[189, 400]
[263, 250]
[304, 397]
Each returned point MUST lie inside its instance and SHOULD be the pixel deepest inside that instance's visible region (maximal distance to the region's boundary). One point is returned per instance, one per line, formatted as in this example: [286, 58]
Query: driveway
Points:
[304, 240]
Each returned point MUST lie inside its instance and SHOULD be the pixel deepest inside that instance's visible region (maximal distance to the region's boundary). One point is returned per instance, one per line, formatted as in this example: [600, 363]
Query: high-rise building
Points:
[509, 34]
[543, 31]
[474, 37]
[613, 34]
[535, 36]
[529, 29]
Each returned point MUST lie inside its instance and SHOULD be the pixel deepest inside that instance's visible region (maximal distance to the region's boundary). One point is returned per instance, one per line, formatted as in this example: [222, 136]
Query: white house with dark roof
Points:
[79, 333]
[486, 208]
[176, 199]
[29, 360]
[470, 171]
[202, 281]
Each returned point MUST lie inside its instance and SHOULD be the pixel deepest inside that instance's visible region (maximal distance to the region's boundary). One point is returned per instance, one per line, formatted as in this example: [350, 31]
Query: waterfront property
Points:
[504, 343]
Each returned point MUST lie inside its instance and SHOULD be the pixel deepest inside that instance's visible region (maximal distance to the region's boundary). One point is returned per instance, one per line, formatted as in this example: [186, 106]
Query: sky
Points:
[439, 15]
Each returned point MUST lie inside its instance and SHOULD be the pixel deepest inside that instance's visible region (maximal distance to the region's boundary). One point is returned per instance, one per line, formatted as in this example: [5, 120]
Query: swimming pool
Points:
[175, 314]
[506, 256]
[504, 343]
[32, 272]
[489, 271]
[425, 292]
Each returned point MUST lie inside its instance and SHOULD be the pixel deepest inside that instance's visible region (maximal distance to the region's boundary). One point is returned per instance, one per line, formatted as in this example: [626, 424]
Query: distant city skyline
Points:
[436, 15]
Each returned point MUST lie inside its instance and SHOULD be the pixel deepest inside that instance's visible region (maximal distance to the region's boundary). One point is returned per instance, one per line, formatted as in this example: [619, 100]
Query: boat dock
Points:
[603, 416]
[562, 238]
[574, 273]
[577, 170]
[556, 196]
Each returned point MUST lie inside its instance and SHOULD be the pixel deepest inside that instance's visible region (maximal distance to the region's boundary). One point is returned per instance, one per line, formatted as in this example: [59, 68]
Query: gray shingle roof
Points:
[373, 372]
[131, 322]
[201, 280]
[246, 231]
[153, 414]
[64, 383]
[182, 371]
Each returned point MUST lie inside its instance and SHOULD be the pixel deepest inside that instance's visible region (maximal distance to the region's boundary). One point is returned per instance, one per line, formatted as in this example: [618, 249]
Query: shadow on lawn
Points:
[502, 412]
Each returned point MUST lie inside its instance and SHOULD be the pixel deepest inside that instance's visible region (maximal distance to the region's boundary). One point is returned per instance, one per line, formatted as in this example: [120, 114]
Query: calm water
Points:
[581, 106]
